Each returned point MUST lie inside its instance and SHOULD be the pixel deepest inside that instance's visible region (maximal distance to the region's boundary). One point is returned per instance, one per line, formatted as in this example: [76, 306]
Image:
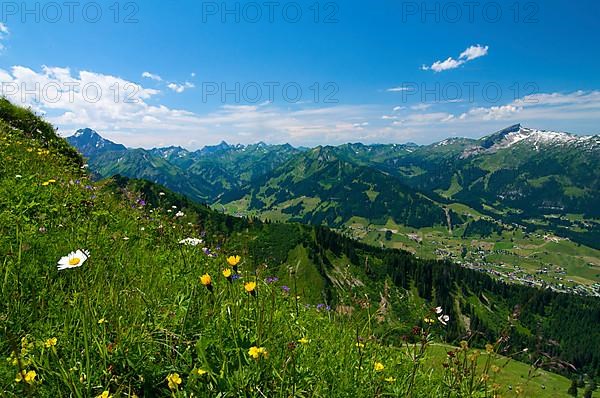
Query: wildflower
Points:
[428, 320]
[285, 289]
[444, 319]
[200, 372]
[250, 287]
[379, 367]
[101, 321]
[489, 348]
[227, 273]
[304, 340]
[271, 279]
[161, 194]
[105, 394]
[179, 214]
[174, 381]
[390, 379]
[360, 345]
[438, 310]
[233, 260]
[206, 280]
[256, 352]
[51, 342]
[73, 259]
[190, 241]
[29, 376]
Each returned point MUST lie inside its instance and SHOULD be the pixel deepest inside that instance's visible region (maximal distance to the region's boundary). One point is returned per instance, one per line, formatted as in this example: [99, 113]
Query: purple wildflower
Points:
[271, 279]
[285, 289]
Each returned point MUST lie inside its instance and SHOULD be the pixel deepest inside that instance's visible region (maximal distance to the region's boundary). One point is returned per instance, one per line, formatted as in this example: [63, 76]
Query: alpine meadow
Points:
[299, 199]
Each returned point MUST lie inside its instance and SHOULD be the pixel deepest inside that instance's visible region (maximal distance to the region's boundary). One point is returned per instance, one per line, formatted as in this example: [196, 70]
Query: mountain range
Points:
[519, 175]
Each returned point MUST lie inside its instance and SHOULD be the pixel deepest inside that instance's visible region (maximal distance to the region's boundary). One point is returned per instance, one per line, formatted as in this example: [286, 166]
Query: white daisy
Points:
[179, 214]
[73, 259]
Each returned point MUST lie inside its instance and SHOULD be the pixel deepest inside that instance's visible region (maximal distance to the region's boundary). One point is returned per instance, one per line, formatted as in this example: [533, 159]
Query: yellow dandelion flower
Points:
[233, 260]
[51, 342]
[253, 352]
[206, 280]
[19, 376]
[250, 287]
[304, 340]
[30, 377]
[379, 367]
[105, 394]
[201, 372]
[174, 381]
[227, 273]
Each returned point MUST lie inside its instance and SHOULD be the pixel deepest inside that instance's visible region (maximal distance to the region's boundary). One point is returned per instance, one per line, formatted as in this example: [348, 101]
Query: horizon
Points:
[238, 144]
[307, 73]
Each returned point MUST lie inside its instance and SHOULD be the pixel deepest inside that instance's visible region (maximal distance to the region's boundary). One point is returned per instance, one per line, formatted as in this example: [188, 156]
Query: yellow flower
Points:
[29, 377]
[429, 320]
[233, 260]
[45, 183]
[256, 352]
[200, 372]
[250, 287]
[51, 181]
[174, 381]
[253, 352]
[101, 321]
[105, 394]
[360, 345]
[304, 340]
[50, 342]
[390, 379]
[379, 367]
[227, 273]
[206, 280]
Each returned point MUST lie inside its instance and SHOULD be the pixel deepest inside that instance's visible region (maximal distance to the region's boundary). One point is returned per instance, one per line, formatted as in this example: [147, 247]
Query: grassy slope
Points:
[135, 313]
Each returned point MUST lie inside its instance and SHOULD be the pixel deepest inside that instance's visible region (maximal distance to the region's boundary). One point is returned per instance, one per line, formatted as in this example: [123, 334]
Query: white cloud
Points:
[180, 88]
[152, 76]
[399, 108]
[397, 89]
[474, 52]
[469, 54]
[3, 33]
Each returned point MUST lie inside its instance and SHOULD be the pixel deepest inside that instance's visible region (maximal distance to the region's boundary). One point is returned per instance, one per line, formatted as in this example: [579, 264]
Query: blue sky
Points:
[390, 71]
